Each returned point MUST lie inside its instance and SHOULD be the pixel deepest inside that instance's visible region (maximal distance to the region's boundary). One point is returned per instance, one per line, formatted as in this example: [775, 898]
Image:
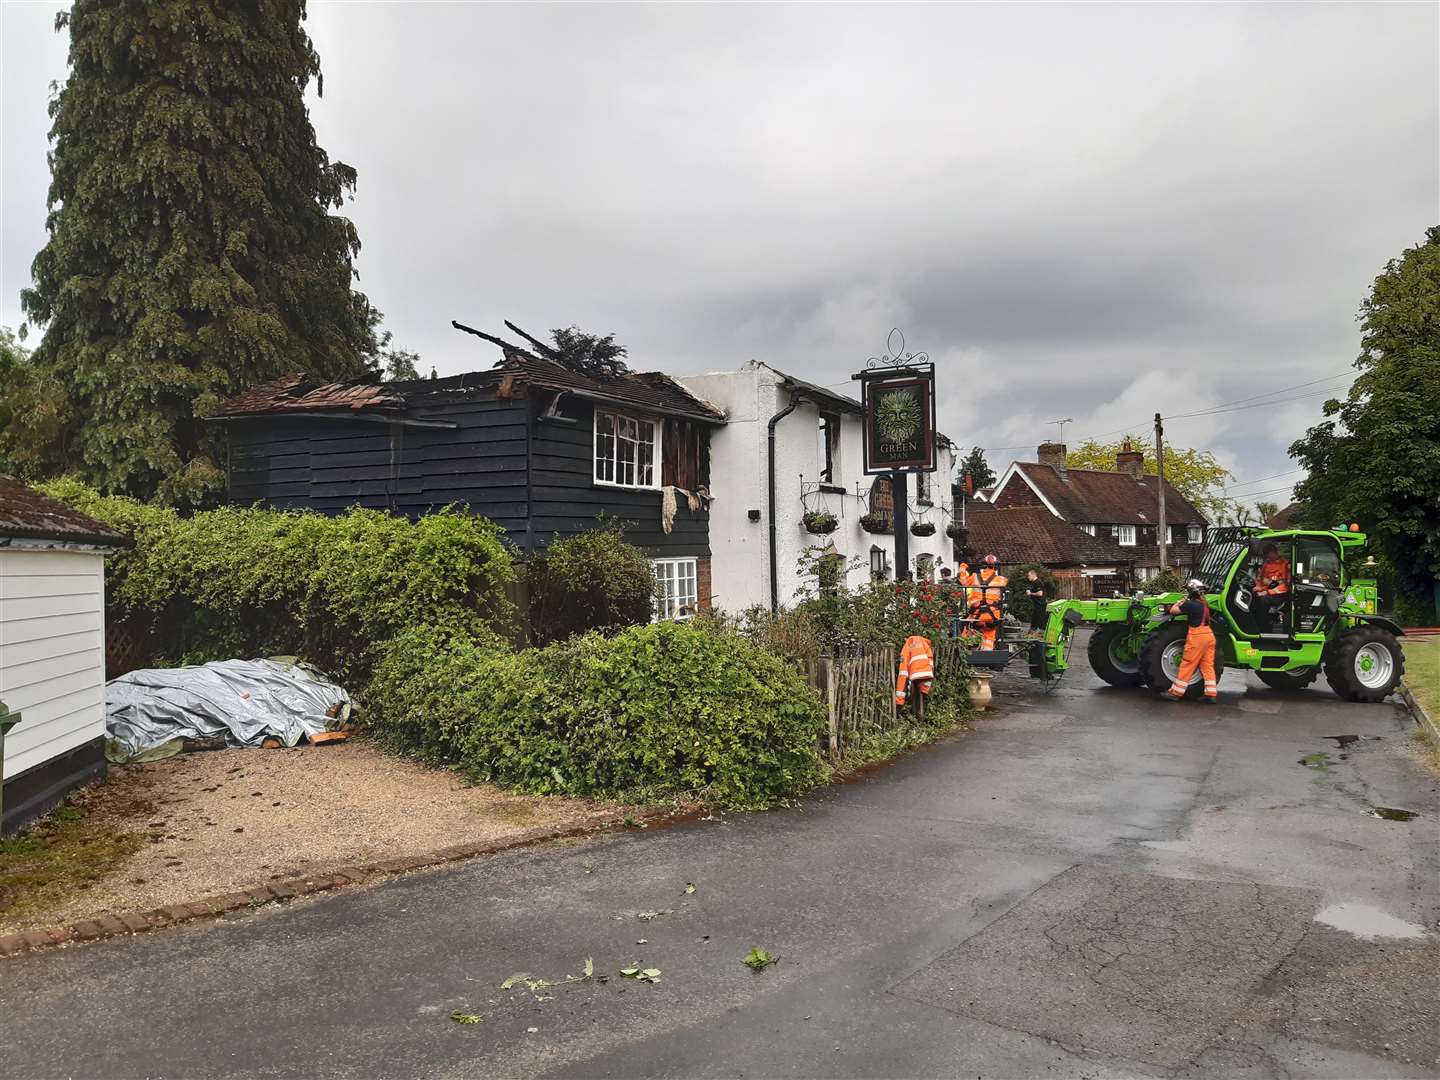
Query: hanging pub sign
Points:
[898, 392]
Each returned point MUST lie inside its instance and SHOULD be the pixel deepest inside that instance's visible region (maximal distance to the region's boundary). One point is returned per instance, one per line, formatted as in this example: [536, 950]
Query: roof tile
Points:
[26, 513]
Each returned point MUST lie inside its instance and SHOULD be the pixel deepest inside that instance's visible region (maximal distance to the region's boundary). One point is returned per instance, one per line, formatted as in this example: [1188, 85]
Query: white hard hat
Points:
[1195, 585]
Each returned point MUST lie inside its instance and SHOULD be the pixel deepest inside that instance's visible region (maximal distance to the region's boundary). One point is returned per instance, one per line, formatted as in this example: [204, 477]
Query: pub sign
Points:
[899, 420]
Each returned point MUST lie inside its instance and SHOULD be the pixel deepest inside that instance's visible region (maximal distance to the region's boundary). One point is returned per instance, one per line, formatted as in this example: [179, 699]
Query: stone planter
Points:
[980, 695]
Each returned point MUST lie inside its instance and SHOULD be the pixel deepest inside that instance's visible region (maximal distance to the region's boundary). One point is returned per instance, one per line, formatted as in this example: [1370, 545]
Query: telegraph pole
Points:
[1160, 486]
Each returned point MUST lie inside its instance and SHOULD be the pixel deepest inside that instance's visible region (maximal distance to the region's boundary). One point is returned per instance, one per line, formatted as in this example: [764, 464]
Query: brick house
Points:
[1083, 565]
[1119, 506]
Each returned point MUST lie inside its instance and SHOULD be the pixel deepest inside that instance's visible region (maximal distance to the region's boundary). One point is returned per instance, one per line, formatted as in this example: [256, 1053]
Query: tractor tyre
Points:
[1107, 657]
[1289, 681]
[1160, 660]
[1364, 664]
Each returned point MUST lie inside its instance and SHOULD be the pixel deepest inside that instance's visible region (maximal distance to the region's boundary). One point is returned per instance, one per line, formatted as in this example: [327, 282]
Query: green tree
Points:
[192, 247]
[395, 364]
[974, 463]
[1194, 473]
[1266, 509]
[1375, 459]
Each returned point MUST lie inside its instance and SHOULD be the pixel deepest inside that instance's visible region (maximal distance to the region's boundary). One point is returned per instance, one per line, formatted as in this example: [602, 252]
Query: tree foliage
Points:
[192, 247]
[589, 354]
[394, 364]
[1194, 473]
[1375, 459]
[978, 469]
[1266, 509]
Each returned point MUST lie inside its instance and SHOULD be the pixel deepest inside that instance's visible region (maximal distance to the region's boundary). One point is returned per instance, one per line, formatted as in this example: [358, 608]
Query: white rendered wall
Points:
[740, 547]
[52, 651]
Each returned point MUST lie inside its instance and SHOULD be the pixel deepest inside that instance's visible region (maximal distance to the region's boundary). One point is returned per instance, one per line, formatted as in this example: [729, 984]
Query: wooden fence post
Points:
[826, 680]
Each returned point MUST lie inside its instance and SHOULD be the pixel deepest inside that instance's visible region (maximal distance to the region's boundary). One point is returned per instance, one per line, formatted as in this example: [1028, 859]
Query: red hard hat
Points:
[991, 560]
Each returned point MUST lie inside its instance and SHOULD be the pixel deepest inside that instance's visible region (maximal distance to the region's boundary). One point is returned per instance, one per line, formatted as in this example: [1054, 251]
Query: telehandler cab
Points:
[1324, 622]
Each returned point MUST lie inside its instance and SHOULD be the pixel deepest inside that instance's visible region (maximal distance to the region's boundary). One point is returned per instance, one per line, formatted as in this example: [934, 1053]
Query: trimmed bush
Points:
[593, 581]
[251, 582]
[657, 710]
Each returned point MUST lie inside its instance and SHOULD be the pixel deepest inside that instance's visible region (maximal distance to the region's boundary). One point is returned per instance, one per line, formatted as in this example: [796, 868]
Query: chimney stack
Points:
[1052, 454]
[1129, 460]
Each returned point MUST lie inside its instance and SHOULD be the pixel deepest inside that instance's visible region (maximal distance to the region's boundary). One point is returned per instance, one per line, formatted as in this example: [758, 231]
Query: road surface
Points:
[1090, 884]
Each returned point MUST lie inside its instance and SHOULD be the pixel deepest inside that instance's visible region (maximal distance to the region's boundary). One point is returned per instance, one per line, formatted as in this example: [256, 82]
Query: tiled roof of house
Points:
[1282, 519]
[27, 514]
[1094, 496]
[1031, 534]
[295, 393]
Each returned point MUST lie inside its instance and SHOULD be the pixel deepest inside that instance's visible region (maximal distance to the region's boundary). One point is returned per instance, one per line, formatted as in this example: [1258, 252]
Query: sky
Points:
[1091, 212]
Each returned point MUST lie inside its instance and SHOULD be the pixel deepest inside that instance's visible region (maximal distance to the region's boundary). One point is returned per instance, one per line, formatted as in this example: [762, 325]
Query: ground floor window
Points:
[679, 588]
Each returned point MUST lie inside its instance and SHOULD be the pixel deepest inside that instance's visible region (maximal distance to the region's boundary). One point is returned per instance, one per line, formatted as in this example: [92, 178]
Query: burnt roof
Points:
[1096, 496]
[1031, 534]
[652, 391]
[27, 514]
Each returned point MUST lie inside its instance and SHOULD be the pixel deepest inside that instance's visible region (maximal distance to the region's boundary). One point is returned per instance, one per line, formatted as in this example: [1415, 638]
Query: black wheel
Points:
[1364, 664]
[1298, 679]
[1160, 658]
[1113, 658]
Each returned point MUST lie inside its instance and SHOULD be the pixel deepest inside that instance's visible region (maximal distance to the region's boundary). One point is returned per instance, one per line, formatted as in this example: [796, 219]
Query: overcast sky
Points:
[1089, 211]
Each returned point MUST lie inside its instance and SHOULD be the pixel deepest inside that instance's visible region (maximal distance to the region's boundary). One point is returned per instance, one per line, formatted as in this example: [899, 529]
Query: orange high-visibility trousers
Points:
[1199, 652]
[988, 625]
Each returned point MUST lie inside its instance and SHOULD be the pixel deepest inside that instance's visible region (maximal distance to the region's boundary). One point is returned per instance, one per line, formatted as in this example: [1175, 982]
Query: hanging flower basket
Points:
[956, 531]
[820, 522]
[923, 528]
[876, 523]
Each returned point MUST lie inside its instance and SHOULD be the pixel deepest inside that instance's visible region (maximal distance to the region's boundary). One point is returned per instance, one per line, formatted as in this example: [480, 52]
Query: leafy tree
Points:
[974, 463]
[192, 247]
[395, 365]
[589, 353]
[1376, 458]
[1266, 510]
[1194, 473]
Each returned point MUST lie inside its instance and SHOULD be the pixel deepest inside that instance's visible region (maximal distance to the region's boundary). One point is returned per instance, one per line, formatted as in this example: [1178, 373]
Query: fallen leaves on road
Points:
[689, 887]
[649, 975]
[758, 959]
[466, 1018]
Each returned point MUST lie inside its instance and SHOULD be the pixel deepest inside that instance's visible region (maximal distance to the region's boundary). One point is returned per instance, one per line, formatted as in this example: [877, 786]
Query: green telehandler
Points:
[1325, 623]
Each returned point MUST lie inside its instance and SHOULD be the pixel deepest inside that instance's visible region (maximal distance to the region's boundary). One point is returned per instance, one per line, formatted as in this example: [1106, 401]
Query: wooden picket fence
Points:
[859, 691]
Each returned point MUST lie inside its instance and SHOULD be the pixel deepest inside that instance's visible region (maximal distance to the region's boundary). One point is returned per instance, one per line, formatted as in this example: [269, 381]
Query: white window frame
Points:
[1088, 529]
[1195, 534]
[626, 429]
[680, 588]
[1125, 535]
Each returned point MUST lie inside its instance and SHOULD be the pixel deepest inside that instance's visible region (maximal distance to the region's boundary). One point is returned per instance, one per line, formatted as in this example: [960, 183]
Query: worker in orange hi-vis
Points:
[987, 600]
[1272, 584]
[1199, 644]
[917, 665]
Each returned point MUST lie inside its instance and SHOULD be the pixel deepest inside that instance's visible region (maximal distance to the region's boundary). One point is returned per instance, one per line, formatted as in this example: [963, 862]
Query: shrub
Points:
[248, 582]
[1166, 581]
[656, 710]
[1020, 603]
[593, 581]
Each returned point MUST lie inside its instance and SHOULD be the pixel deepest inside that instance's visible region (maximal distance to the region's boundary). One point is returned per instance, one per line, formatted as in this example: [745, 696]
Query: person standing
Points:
[1039, 593]
[1199, 644]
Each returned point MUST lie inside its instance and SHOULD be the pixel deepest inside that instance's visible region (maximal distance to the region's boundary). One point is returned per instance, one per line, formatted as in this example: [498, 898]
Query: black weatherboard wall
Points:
[470, 440]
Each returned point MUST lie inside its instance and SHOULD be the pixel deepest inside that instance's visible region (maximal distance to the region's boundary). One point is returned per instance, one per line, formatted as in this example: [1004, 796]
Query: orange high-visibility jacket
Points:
[1276, 570]
[990, 597]
[917, 664]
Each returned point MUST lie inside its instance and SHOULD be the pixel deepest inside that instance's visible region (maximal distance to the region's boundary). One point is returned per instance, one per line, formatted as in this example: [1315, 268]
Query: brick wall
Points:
[703, 586]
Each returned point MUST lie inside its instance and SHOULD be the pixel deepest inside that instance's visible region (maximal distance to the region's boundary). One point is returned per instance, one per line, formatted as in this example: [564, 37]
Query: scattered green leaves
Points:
[635, 971]
[466, 1018]
[758, 959]
[689, 887]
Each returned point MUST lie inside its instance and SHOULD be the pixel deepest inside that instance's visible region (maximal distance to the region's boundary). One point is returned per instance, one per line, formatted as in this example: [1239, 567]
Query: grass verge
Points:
[1422, 672]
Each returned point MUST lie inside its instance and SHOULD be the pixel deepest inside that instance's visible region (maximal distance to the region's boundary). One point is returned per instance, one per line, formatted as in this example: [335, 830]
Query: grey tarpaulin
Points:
[242, 700]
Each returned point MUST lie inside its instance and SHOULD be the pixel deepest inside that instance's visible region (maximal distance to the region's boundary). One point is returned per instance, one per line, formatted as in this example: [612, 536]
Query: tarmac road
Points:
[1091, 883]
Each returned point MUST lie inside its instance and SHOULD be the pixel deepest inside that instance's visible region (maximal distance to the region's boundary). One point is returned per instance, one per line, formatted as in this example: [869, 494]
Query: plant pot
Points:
[820, 524]
[922, 528]
[877, 524]
[980, 695]
[957, 532]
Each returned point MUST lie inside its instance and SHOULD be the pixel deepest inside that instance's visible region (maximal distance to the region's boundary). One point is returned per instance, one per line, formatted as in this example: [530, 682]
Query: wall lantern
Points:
[879, 562]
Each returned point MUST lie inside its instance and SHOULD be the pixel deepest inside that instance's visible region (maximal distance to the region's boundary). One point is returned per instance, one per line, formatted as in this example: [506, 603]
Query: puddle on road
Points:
[1365, 921]
[1389, 813]
[1342, 741]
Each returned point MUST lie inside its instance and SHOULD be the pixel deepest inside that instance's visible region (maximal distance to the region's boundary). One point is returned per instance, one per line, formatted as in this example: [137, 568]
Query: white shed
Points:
[52, 648]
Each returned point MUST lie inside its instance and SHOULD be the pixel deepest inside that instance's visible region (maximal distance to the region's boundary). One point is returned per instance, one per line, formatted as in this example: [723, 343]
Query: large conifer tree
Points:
[193, 250]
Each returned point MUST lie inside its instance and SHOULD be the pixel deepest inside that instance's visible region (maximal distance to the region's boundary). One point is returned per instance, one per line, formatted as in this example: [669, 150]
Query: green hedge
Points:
[657, 710]
[250, 582]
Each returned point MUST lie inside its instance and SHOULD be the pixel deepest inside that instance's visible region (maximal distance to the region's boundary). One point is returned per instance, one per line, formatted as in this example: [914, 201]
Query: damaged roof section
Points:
[296, 394]
[27, 514]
